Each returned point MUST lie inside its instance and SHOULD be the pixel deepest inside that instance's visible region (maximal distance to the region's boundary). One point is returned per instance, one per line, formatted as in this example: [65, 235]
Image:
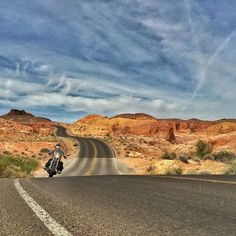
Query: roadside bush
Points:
[44, 150]
[6, 152]
[17, 166]
[174, 171]
[203, 148]
[209, 157]
[224, 156]
[183, 158]
[151, 170]
[11, 171]
[169, 156]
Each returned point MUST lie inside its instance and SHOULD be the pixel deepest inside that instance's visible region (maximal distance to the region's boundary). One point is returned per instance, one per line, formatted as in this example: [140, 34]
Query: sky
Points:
[66, 59]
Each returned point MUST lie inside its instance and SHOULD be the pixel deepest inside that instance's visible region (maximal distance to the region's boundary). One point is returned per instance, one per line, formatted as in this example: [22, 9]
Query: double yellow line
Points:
[89, 172]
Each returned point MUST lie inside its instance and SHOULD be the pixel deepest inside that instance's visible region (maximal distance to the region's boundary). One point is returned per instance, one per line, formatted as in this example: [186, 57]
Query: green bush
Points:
[183, 158]
[203, 148]
[174, 171]
[169, 156]
[16, 166]
[209, 157]
[44, 150]
[224, 156]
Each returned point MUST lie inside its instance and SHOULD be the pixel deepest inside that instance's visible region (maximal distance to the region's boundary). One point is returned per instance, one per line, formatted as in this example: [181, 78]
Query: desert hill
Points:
[24, 135]
[141, 141]
[23, 117]
[136, 124]
[144, 124]
[136, 116]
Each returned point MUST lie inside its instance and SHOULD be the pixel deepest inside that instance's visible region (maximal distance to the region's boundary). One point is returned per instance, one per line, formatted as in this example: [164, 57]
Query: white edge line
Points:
[195, 179]
[48, 221]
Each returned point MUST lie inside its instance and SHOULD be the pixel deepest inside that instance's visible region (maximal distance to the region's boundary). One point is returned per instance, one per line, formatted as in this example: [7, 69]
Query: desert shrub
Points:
[183, 158]
[6, 152]
[169, 156]
[11, 171]
[151, 170]
[224, 156]
[16, 166]
[203, 148]
[174, 171]
[209, 157]
[44, 150]
[179, 171]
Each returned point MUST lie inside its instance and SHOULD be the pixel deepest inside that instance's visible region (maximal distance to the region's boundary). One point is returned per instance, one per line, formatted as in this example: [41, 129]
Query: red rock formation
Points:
[22, 116]
[15, 112]
[171, 136]
[138, 124]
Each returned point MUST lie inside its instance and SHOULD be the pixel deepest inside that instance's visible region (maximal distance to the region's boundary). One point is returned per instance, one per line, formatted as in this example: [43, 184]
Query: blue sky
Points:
[66, 59]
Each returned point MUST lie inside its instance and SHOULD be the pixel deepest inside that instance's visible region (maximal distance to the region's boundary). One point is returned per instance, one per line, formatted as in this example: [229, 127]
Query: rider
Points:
[57, 149]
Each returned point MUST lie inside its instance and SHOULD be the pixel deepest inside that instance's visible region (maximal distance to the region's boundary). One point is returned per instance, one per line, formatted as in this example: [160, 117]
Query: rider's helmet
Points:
[58, 146]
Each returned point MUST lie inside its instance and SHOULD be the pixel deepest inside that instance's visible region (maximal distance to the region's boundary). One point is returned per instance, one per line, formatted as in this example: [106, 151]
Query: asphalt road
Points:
[116, 204]
[122, 205]
[95, 158]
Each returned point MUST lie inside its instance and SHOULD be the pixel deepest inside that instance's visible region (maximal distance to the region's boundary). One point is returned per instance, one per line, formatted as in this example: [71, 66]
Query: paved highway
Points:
[116, 204]
[120, 205]
[95, 158]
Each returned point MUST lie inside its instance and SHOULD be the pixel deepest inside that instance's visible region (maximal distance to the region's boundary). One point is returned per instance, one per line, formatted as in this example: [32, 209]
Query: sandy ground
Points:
[138, 154]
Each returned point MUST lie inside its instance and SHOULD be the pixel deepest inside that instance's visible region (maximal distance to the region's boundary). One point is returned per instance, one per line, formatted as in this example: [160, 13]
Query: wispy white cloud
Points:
[167, 58]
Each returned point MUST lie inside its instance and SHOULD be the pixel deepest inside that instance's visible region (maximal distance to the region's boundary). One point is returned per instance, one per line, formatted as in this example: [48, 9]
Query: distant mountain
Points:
[22, 116]
[15, 112]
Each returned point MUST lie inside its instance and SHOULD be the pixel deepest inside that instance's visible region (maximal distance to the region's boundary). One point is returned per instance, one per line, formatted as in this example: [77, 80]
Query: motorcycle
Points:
[53, 167]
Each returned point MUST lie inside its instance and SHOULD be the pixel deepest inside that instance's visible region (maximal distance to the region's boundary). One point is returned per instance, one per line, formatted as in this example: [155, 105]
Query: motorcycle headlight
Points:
[57, 155]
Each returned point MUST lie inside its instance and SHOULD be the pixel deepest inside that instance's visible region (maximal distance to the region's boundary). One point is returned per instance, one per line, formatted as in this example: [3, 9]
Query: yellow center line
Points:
[94, 159]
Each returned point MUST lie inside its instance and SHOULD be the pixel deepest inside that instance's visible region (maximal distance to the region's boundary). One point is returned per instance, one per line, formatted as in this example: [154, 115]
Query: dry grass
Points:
[16, 166]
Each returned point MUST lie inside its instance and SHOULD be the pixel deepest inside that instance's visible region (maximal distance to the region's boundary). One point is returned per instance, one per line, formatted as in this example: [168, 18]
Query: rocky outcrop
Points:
[171, 136]
[15, 112]
[22, 116]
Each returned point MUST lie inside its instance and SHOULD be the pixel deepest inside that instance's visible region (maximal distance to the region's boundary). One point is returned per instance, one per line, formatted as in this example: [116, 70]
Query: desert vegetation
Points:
[203, 148]
[16, 165]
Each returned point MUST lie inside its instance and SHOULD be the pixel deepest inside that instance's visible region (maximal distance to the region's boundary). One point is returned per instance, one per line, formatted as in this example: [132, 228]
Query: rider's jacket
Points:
[62, 153]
